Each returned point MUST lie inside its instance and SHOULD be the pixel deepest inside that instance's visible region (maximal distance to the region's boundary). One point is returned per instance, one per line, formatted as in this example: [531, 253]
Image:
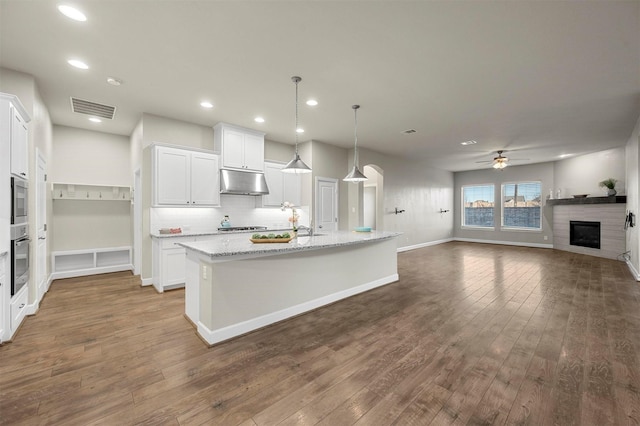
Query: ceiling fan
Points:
[500, 162]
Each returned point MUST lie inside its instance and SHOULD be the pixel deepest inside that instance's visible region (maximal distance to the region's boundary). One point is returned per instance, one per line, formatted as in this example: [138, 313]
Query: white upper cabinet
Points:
[240, 148]
[19, 144]
[185, 178]
[13, 128]
[282, 186]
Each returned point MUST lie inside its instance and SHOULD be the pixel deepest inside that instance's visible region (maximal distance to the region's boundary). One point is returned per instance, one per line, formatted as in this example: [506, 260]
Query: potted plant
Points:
[610, 184]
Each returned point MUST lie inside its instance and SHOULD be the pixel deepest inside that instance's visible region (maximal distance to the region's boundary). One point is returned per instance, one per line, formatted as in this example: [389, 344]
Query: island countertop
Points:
[240, 245]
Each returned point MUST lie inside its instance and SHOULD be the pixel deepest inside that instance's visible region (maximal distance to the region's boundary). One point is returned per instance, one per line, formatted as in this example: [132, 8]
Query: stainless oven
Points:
[19, 201]
[19, 257]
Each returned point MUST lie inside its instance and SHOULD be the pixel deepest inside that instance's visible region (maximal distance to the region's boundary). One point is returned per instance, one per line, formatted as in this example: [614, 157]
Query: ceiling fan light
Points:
[499, 165]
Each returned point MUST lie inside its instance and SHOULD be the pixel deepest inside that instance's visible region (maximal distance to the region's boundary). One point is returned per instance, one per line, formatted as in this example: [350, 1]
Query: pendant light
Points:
[355, 175]
[296, 165]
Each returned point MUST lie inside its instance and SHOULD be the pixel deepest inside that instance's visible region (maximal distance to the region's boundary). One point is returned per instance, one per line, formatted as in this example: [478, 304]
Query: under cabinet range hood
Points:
[242, 183]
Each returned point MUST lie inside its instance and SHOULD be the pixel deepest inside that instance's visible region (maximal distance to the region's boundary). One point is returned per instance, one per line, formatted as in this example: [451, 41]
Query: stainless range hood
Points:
[242, 183]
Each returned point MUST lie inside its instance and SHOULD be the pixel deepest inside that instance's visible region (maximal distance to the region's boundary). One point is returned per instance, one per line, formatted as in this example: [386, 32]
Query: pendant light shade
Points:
[355, 175]
[296, 165]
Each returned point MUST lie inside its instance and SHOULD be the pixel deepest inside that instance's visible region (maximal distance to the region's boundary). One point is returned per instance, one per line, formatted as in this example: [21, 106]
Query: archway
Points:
[373, 197]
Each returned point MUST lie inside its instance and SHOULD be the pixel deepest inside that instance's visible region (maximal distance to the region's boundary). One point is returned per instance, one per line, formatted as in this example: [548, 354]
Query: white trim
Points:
[421, 245]
[505, 243]
[146, 281]
[633, 270]
[226, 333]
[91, 271]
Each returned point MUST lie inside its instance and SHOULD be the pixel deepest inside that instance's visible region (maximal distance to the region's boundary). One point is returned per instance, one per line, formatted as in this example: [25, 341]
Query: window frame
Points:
[502, 201]
[462, 203]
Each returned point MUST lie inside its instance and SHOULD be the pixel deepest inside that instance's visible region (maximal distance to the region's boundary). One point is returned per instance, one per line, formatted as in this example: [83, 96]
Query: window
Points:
[521, 205]
[478, 202]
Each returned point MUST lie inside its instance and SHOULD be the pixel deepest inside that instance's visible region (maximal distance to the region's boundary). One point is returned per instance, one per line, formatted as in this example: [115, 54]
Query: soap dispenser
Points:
[226, 223]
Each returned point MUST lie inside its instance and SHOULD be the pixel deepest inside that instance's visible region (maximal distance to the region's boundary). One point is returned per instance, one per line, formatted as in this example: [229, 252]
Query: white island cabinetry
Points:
[185, 177]
[234, 286]
[240, 148]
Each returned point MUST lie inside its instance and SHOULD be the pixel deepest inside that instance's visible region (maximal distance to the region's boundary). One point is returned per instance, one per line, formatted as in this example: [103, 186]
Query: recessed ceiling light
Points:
[78, 64]
[206, 104]
[95, 120]
[72, 12]
[312, 102]
[299, 130]
[259, 120]
[465, 143]
[114, 81]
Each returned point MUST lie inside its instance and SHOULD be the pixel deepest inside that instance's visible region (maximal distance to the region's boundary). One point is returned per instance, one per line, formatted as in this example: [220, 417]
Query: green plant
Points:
[609, 183]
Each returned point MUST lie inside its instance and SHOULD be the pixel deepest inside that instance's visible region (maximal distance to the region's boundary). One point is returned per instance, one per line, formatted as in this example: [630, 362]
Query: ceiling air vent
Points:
[408, 132]
[92, 108]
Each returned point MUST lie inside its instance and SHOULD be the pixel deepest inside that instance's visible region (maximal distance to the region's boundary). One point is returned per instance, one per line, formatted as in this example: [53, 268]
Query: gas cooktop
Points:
[242, 228]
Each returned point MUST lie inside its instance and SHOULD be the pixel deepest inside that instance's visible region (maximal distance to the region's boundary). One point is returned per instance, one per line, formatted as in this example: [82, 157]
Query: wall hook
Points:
[443, 211]
[399, 211]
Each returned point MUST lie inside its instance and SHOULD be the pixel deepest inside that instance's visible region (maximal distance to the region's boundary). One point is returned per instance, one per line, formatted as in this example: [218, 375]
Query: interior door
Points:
[41, 225]
[326, 217]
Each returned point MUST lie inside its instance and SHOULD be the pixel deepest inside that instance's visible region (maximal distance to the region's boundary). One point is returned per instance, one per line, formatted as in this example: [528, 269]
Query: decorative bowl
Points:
[580, 196]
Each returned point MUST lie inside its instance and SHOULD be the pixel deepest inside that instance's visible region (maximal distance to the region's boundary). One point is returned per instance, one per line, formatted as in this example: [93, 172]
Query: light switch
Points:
[204, 272]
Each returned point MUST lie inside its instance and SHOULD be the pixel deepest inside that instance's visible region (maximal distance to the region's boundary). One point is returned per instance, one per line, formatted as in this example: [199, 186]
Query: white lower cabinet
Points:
[169, 261]
[18, 308]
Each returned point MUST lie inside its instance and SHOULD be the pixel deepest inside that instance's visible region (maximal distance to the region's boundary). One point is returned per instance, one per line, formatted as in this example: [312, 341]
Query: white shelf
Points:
[82, 192]
[78, 263]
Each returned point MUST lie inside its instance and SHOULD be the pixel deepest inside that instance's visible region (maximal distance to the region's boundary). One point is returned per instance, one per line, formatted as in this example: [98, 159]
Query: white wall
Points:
[543, 172]
[87, 157]
[94, 158]
[411, 186]
[581, 174]
[632, 155]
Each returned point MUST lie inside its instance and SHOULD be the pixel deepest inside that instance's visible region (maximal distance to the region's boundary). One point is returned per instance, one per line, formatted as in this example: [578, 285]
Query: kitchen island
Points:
[234, 286]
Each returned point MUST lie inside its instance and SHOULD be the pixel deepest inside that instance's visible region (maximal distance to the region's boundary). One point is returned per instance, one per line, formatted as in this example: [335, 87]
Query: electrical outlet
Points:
[546, 238]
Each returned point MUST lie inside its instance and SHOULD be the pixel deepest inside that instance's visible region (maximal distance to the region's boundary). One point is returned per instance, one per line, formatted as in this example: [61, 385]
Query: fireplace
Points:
[584, 234]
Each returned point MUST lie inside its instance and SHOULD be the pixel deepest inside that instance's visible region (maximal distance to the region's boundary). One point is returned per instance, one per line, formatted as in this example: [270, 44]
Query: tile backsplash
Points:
[241, 210]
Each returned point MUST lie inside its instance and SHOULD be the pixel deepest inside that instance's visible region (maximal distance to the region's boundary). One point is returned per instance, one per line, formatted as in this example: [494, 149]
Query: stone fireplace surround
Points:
[609, 211]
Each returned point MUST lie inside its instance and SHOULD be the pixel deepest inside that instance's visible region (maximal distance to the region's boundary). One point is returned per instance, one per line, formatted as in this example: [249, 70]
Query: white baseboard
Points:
[505, 243]
[226, 333]
[146, 281]
[90, 271]
[421, 245]
[633, 270]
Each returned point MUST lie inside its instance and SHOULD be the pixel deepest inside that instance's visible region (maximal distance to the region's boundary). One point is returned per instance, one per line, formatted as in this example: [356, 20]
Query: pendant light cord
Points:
[355, 135]
[296, 80]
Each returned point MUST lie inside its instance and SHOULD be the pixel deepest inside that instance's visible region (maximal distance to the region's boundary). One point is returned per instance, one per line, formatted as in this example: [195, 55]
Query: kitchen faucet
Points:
[309, 228]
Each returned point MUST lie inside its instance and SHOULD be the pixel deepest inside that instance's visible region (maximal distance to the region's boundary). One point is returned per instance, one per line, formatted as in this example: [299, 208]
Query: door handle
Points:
[41, 238]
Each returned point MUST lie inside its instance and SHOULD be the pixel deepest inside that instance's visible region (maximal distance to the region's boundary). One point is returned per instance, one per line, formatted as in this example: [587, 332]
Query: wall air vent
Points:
[93, 109]
[408, 132]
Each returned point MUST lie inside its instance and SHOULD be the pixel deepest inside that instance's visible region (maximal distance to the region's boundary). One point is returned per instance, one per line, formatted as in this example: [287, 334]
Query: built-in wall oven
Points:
[19, 257]
[19, 201]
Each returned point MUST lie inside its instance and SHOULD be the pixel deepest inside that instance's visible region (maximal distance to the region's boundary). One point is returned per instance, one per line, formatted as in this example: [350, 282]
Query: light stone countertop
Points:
[183, 234]
[240, 245]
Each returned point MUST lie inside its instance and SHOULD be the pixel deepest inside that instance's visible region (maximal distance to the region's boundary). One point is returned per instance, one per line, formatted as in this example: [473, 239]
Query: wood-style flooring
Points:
[471, 334]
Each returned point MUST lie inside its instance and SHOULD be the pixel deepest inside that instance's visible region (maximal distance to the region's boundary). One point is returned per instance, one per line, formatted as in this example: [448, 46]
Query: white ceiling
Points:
[537, 78]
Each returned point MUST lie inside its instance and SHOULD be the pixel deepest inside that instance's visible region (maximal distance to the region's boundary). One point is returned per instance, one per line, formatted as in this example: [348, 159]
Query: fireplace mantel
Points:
[617, 199]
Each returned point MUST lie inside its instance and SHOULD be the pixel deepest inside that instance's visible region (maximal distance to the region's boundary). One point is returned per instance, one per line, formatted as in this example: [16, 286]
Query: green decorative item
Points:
[610, 184]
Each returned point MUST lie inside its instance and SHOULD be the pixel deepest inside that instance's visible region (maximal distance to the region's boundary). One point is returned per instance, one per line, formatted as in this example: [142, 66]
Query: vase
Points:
[611, 192]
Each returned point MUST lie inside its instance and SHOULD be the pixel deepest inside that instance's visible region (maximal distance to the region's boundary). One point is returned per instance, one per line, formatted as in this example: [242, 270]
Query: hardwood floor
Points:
[471, 334]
